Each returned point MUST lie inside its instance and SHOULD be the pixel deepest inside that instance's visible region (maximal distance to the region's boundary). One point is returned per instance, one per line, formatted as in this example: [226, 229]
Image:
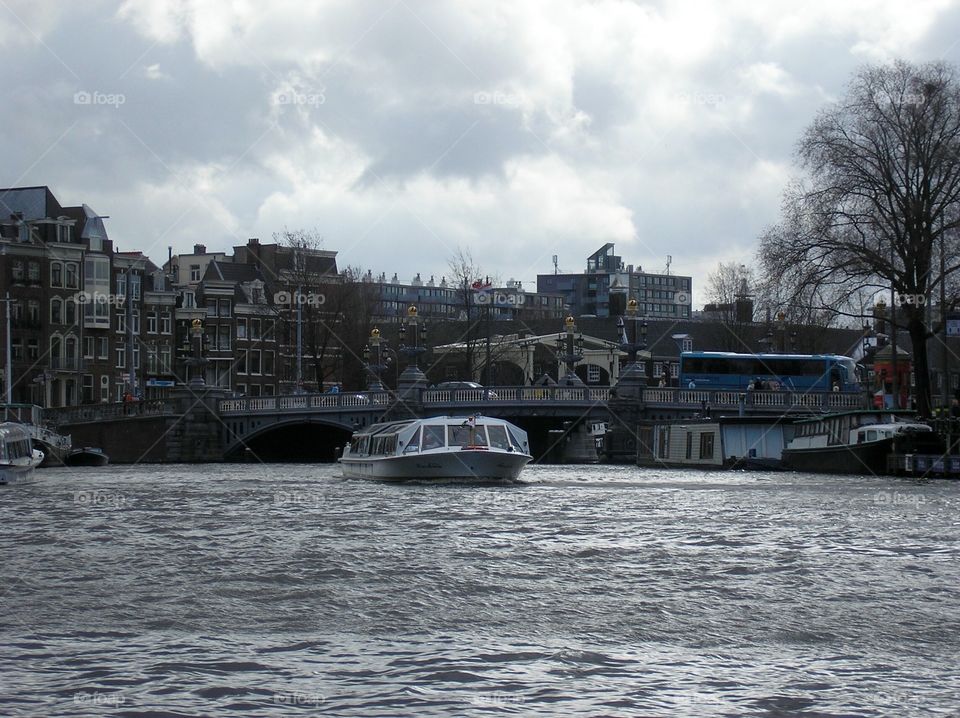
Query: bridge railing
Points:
[102, 412]
[765, 400]
[576, 395]
[517, 394]
[304, 402]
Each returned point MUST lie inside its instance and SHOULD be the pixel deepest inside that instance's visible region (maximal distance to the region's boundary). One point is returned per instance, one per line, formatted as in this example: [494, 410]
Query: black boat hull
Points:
[869, 458]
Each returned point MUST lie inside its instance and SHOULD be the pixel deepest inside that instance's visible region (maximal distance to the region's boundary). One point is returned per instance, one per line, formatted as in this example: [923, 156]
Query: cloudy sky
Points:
[402, 129]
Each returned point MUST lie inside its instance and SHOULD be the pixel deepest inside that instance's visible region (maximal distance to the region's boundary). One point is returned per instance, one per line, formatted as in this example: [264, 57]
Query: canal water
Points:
[598, 591]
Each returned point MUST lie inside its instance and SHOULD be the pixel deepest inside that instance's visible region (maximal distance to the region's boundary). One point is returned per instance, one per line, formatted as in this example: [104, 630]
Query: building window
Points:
[189, 300]
[56, 311]
[268, 390]
[121, 322]
[72, 277]
[165, 323]
[56, 274]
[241, 389]
[87, 394]
[255, 329]
[254, 361]
[165, 360]
[135, 285]
[103, 348]
[33, 271]
[121, 353]
[593, 374]
[151, 322]
[33, 349]
[194, 272]
[242, 362]
[224, 341]
[241, 329]
[33, 311]
[268, 363]
[151, 359]
[17, 271]
[88, 348]
[105, 388]
[16, 346]
[211, 307]
[224, 308]
[254, 390]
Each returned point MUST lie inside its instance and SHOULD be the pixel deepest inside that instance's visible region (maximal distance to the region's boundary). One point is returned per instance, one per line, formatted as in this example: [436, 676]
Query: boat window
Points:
[521, 445]
[432, 437]
[413, 446]
[872, 435]
[464, 435]
[498, 437]
[706, 445]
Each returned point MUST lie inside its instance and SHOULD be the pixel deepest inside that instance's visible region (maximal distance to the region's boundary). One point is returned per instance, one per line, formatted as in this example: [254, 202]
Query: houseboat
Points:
[441, 447]
[726, 442]
[18, 458]
[856, 442]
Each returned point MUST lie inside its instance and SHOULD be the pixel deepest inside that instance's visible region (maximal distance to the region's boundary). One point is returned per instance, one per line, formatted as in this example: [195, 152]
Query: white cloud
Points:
[401, 129]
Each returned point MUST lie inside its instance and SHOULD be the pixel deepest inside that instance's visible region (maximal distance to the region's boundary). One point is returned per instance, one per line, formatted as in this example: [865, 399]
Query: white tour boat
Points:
[439, 447]
[18, 458]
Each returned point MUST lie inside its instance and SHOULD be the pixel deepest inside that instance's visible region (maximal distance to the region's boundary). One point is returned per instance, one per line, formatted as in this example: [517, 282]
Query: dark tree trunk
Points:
[918, 337]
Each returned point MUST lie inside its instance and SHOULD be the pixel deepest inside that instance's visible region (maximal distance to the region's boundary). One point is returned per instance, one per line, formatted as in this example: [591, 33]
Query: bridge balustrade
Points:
[664, 397]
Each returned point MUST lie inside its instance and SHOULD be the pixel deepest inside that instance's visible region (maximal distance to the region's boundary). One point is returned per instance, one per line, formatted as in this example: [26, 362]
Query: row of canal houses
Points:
[92, 324]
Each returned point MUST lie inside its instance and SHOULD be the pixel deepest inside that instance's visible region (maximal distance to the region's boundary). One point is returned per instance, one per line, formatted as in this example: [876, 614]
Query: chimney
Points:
[199, 249]
[253, 241]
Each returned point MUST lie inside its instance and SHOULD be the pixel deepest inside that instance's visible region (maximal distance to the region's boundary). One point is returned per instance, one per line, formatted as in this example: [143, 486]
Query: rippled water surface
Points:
[285, 590]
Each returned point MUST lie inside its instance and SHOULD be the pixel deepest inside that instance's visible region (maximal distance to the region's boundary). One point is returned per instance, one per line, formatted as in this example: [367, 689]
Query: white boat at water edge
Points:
[18, 458]
[441, 447]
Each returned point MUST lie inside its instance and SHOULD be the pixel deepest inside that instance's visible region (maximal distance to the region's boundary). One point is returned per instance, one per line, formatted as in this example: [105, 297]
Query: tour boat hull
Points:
[464, 465]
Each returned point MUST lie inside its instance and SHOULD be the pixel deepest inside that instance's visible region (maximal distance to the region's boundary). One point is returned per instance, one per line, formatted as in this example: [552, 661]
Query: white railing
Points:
[579, 395]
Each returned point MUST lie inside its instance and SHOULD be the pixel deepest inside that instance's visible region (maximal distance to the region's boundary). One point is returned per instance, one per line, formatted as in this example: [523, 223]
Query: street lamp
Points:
[373, 349]
[413, 379]
[573, 348]
[198, 362]
[631, 346]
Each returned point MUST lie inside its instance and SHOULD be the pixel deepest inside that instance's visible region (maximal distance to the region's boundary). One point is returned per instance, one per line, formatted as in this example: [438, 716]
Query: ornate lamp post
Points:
[633, 378]
[374, 350]
[198, 362]
[415, 332]
[572, 348]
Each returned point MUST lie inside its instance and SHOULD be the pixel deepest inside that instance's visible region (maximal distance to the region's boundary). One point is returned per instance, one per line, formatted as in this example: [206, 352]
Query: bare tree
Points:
[880, 201]
[465, 276]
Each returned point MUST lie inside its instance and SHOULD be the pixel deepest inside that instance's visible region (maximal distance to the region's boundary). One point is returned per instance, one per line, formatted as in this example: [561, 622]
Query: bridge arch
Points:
[292, 438]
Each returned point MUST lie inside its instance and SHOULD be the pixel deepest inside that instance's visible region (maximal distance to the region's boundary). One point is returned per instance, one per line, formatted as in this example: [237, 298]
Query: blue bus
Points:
[796, 372]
